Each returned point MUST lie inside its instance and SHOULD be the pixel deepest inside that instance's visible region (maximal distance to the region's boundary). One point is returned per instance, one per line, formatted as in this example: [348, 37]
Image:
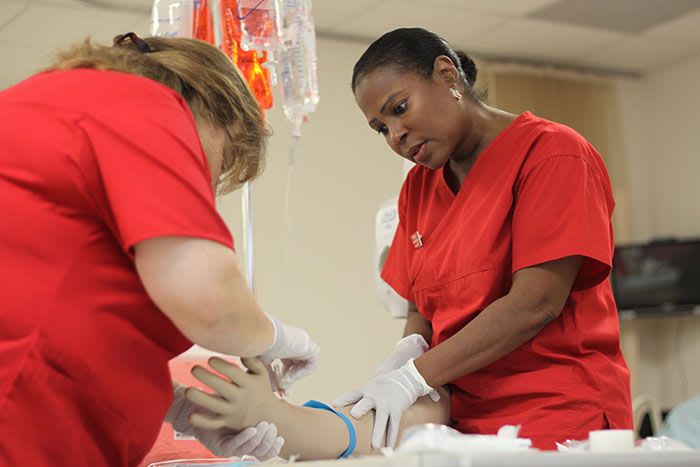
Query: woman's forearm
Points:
[536, 298]
[494, 333]
[417, 324]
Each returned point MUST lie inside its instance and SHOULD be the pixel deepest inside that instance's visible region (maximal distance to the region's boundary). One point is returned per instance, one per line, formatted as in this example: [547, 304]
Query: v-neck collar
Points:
[443, 183]
[451, 198]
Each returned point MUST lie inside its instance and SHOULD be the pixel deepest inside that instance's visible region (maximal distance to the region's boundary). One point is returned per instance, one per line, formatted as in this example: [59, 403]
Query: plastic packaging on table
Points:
[206, 462]
[432, 437]
[260, 21]
[172, 18]
[296, 63]
[650, 444]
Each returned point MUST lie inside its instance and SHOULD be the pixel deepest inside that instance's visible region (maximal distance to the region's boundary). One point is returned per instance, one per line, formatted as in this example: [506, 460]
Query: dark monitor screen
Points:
[657, 276]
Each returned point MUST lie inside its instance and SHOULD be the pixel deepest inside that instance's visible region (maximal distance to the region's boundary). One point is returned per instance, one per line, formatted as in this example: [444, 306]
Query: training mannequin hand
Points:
[298, 353]
[242, 400]
[390, 395]
[260, 441]
[409, 347]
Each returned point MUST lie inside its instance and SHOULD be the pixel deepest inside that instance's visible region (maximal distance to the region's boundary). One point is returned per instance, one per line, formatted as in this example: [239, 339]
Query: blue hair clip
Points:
[351, 429]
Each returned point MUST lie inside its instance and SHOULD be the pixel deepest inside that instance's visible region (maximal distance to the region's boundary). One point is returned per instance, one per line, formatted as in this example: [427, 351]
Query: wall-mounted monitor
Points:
[661, 277]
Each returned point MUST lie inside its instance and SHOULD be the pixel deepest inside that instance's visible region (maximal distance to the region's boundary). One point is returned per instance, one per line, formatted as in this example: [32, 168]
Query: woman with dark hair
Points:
[503, 250]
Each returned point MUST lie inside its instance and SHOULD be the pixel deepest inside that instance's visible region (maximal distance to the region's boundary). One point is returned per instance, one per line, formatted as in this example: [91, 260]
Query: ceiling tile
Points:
[131, 6]
[638, 54]
[9, 9]
[540, 40]
[51, 25]
[450, 23]
[616, 15]
[508, 8]
[329, 13]
[492, 28]
[61, 2]
[685, 29]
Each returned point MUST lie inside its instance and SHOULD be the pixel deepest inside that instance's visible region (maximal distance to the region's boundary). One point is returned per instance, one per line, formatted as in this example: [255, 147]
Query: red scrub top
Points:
[539, 192]
[91, 163]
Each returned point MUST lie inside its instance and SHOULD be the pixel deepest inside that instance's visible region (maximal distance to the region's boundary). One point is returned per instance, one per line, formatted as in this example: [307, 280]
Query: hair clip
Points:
[122, 40]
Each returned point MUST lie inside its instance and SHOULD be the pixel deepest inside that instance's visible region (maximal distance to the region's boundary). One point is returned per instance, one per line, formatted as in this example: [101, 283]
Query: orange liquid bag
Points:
[202, 24]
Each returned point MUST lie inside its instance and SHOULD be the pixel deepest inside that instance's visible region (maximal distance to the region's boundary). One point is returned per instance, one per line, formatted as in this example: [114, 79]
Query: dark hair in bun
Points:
[413, 50]
[468, 67]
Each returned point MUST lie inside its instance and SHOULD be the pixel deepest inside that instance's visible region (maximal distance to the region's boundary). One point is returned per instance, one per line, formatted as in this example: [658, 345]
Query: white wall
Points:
[674, 149]
[343, 172]
[661, 126]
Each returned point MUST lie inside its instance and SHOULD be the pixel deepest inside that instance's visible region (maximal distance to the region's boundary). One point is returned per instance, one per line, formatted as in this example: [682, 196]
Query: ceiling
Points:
[622, 36]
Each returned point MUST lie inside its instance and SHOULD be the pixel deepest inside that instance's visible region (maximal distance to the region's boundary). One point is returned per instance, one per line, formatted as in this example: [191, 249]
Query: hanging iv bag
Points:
[260, 21]
[172, 18]
[296, 63]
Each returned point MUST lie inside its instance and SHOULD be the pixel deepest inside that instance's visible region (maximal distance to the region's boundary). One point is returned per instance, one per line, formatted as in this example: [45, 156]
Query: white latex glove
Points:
[260, 441]
[390, 395]
[409, 347]
[297, 352]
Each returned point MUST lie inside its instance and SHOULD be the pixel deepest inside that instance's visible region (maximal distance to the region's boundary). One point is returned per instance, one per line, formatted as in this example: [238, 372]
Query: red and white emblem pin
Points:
[417, 239]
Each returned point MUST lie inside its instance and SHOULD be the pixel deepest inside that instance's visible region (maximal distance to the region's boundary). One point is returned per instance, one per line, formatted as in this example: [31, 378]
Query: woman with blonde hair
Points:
[113, 258]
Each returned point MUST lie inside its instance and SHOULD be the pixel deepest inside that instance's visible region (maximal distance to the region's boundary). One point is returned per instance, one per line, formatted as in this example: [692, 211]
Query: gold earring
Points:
[457, 95]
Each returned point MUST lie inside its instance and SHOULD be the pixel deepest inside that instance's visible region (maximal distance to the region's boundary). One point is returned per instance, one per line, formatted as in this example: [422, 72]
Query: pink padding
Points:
[167, 447]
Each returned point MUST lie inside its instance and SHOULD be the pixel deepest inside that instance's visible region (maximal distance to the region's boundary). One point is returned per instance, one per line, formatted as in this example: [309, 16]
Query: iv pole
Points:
[247, 198]
[248, 245]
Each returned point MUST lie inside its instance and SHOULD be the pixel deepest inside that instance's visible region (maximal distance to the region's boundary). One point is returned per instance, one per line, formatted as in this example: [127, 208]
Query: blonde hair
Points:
[210, 83]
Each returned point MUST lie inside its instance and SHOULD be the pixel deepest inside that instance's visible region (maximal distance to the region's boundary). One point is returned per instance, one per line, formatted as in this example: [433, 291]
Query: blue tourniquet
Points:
[351, 429]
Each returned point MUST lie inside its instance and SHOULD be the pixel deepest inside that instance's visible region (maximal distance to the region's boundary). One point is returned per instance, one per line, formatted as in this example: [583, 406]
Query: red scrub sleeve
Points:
[396, 268]
[562, 208]
[149, 173]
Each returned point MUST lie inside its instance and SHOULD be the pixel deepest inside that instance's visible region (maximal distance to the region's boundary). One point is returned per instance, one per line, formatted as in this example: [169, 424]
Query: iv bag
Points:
[258, 76]
[231, 30]
[385, 227]
[203, 25]
[296, 62]
[172, 18]
[260, 21]
[252, 63]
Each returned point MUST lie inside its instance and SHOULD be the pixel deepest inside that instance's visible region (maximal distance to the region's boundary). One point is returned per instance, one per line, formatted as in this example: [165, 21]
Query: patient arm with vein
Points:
[244, 399]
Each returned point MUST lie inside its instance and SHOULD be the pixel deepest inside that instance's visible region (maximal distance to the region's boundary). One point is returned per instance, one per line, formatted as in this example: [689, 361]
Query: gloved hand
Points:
[409, 347]
[260, 441]
[390, 395]
[298, 353]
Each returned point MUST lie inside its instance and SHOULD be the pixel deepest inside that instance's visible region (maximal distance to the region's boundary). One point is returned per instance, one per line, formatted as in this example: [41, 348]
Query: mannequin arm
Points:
[312, 434]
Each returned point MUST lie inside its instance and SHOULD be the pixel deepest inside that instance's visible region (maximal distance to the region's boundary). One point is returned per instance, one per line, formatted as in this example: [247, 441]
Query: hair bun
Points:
[468, 66]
